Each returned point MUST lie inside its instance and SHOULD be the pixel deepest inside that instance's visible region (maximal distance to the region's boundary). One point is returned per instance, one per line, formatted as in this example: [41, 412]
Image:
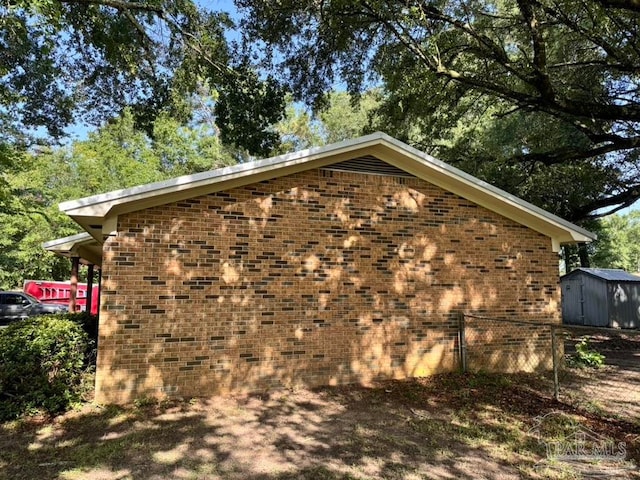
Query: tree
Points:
[298, 130]
[29, 219]
[116, 156]
[119, 156]
[553, 84]
[618, 244]
[10, 159]
[346, 116]
[341, 117]
[66, 61]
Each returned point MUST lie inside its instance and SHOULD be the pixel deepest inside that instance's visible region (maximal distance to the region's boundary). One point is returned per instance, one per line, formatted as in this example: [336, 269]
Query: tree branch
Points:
[621, 200]
[570, 154]
[561, 16]
[595, 63]
[193, 43]
[542, 83]
[190, 40]
[120, 5]
[631, 5]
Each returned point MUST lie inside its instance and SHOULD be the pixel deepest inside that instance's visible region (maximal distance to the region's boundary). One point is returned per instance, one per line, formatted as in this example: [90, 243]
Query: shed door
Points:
[572, 302]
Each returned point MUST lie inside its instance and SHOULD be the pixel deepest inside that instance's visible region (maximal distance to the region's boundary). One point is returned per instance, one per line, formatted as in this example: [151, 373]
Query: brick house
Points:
[345, 263]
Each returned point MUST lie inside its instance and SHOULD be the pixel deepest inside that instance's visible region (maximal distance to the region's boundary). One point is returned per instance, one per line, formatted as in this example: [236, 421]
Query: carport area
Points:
[83, 251]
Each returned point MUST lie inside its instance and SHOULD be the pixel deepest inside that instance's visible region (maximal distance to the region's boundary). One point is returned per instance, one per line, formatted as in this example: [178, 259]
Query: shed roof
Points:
[98, 214]
[81, 245]
[607, 274]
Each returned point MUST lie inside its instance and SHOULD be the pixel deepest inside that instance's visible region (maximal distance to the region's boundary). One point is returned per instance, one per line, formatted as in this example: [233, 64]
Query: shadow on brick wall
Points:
[311, 279]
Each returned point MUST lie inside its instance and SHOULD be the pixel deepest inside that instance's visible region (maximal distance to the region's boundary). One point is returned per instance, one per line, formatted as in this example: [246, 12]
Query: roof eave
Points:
[486, 195]
[81, 245]
[100, 205]
[92, 212]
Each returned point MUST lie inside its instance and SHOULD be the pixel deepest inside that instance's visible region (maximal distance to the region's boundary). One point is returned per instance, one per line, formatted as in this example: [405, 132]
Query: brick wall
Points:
[315, 278]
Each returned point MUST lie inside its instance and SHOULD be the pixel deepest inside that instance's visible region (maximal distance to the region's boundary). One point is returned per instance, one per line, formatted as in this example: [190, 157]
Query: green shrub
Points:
[87, 321]
[587, 357]
[42, 362]
[89, 324]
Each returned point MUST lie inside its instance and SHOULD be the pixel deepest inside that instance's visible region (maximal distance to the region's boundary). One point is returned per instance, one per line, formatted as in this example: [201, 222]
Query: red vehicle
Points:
[59, 292]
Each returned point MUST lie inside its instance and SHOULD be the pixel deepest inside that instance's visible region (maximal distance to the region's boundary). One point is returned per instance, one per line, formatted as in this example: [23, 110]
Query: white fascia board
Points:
[100, 205]
[67, 243]
[578, 234]
[388, 148]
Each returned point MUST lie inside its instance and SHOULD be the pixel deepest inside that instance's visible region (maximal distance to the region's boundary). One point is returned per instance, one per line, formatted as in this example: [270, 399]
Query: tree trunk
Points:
[584, 255]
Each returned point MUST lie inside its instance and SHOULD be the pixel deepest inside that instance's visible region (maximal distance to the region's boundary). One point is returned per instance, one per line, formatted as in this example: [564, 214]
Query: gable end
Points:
[375, 154]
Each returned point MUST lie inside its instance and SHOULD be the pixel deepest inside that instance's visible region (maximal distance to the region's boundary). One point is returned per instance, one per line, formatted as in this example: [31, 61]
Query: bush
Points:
[89, 324]
[42, 363]
[587, 357]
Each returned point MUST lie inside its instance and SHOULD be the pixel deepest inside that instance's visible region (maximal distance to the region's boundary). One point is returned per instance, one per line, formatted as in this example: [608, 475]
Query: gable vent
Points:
[369, 165]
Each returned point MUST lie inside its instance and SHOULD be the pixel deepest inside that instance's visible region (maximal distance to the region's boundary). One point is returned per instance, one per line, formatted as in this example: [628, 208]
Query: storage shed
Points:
[600, 297]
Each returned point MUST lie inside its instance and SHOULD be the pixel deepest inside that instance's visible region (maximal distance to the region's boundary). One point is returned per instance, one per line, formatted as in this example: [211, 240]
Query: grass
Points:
[447, 426]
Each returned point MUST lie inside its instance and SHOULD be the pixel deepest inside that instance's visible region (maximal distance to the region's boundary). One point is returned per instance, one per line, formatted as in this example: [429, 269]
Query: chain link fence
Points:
[596, 369]
[504, 345]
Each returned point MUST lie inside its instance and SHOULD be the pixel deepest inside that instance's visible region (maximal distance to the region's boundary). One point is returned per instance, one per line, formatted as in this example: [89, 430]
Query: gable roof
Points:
[98, 214]
[607, 274]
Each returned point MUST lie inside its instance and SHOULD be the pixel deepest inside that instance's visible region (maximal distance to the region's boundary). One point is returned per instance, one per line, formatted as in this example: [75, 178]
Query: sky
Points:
[80, 131]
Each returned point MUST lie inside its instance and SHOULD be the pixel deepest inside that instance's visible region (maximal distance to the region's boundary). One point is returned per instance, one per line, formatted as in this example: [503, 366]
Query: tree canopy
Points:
[541, 97]
[67, 61]
[113, 157]
[618, 244]
[340, 119]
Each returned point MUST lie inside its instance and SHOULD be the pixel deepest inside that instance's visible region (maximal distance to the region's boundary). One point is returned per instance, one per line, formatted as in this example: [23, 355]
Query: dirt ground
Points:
[613, 389]
[444, 427]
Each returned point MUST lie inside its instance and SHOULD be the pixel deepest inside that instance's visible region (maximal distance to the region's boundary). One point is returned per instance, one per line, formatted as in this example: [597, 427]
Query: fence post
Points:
[462, 342]
[554, 348]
